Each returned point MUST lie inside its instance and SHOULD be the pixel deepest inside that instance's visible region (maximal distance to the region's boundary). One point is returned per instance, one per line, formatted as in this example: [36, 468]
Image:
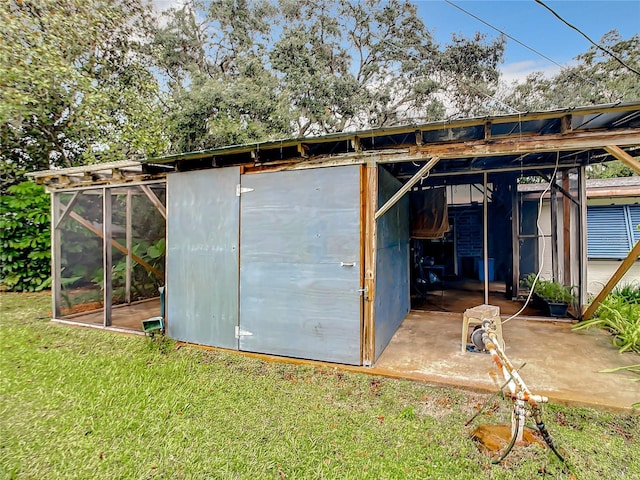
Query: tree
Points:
[314, 67]
[76, 86]
[595, 79]
[221, 91]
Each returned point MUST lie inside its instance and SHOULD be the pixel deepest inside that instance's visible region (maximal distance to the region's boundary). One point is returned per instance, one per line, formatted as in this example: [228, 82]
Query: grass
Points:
[82, 403]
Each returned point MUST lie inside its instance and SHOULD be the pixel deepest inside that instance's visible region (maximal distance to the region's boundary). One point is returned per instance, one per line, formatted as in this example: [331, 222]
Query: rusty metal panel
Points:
[300, 272]
[202, 256]
[392, 299]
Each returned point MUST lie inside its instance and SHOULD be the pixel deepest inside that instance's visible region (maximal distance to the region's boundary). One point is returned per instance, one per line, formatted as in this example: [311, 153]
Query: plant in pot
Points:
[555, 294]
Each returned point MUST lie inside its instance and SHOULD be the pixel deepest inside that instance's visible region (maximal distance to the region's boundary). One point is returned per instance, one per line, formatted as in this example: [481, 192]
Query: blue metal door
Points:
[300, 264]
[202, 256]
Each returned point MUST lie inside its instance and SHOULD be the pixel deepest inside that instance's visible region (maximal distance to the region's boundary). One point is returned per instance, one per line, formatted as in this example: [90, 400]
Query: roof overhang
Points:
[526, 141]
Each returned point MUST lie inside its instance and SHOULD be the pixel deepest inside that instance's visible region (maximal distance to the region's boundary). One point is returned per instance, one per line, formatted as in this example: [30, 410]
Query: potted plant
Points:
[555, 294]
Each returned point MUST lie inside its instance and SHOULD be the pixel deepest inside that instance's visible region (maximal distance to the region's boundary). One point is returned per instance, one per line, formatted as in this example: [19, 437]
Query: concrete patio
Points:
[561, 364]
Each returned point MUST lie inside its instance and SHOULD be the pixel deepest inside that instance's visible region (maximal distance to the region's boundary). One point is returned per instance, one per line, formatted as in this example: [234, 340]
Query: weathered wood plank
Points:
[624, 157]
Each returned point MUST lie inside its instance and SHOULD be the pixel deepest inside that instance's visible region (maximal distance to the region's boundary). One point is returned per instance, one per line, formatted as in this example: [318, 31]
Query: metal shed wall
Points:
[202, 256]
[299, 268]
[393, 298]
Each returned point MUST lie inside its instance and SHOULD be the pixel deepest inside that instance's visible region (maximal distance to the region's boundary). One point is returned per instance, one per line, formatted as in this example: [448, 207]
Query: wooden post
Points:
[582, 232]
[56, 273]
[485, 237]
[566, 230]
[371, 189]
[107, 260]
[515, 239]
[553, 204]
[129, 246]
[634, 254]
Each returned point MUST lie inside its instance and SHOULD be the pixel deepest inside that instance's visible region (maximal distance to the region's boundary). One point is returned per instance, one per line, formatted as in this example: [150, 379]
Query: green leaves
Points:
[77, 86]
[25, 238]
[241, 70]
[619, 313]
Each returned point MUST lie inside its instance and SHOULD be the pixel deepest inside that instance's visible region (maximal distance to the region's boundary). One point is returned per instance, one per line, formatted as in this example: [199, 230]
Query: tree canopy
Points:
[241, 70]
[595, 78]
[76, 85]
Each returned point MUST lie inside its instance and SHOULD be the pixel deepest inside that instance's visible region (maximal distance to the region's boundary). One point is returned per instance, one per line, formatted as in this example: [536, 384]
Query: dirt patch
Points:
[493, 438]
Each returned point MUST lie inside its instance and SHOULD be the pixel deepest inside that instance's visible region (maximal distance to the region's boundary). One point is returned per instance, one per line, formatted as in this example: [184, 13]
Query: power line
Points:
[515, 40]
[607, 51]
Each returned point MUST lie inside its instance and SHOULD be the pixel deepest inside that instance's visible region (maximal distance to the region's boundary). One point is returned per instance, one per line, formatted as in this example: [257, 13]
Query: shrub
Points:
[25, 238]
[619, 313]
[550, 291]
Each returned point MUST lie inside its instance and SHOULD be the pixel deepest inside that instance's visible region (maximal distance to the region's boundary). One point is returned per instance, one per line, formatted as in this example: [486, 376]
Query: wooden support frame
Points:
[129, 245]
[155, 200]
[406, 187]
[114, 243]
[60, 218]
[515, 239]
[370, 245]
[633, 256]
[566, 230]
[485, 235]
[624, 157]
[107, 260]
[582, 244]
[56, 252]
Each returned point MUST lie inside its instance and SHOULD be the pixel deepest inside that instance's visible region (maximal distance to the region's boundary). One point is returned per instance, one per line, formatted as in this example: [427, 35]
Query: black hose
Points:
[508, 448]
[547, 438]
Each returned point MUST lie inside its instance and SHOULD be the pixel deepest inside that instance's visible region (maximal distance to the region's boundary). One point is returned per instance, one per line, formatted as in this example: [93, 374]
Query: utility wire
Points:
[607, 51]
[515, 40]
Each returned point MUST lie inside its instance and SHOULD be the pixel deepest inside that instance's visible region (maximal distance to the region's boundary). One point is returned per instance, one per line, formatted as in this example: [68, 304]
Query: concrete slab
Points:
[561, 364]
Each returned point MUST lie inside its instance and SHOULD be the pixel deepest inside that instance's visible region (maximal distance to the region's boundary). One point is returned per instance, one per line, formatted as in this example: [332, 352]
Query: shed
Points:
[317, 247]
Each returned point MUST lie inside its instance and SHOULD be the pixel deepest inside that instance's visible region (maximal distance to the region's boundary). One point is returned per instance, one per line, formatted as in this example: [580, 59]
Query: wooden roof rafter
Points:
[96, 174]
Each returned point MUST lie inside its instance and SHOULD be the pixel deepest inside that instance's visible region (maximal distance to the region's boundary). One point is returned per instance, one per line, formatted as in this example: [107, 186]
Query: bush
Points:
[619, 313]
[25, 238]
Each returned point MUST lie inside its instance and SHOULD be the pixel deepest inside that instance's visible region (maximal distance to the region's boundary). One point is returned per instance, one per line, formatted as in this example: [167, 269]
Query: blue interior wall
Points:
[392, 299]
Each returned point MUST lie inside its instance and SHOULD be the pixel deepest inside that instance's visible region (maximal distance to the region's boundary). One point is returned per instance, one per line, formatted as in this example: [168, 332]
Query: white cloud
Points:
[518, 71]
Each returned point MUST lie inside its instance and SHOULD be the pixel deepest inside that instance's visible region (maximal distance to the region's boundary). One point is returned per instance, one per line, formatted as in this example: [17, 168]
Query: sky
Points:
[529, 23]
[534, 26]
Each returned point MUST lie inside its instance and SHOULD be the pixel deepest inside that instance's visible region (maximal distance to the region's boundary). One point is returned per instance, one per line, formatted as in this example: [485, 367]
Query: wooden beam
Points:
[129, 245]
[67, 209]
[633, 256]
[107, 260]
[56, 267]
[155, 200]
[406, 187]
[624, 157]
[528, 144]
[86, 224]
[368, 334]
[566, 229]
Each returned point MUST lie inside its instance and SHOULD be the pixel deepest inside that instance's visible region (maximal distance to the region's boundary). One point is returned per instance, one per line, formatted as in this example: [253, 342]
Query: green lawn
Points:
[82, 403]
